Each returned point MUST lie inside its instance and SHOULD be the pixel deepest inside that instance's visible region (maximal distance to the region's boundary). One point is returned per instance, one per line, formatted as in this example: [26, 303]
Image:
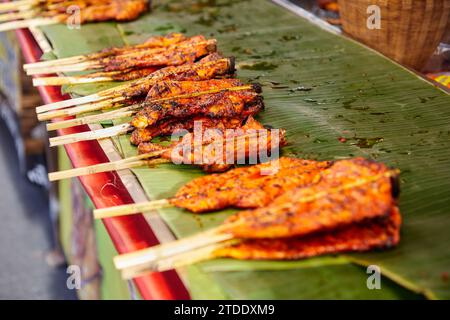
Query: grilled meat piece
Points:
[152, 42]
[350, 191]
[95, 11]
[223, 104]
[167, 89]
[249, 187]
[172, 56]
[379, 233]
[221, 149]
[194, 72]
[172, 126]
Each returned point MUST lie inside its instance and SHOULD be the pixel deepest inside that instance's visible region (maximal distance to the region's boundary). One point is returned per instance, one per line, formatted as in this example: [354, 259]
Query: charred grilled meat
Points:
[349, 192]
[208, 68]
[248, 187]
[181, 53]
[94, 11]
[379, 233]
[222, 149]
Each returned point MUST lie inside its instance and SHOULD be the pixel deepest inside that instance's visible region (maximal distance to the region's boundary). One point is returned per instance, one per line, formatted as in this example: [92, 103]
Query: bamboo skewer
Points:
[150, 257]
[88, 107]
[91, 135]
[104, 104]
[59, 81]
[103, 95]
[96, 118]
[17, 15]
[81, 66]
[138, 161]
[19, 24]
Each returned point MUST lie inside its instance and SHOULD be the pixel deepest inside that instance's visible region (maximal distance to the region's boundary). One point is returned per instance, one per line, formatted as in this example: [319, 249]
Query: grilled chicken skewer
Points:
[117, 10]
[244, 188]
[164, 114]
[246, 144]
[210, 67]
[184, 52]
[152, 42]
[347, 193]
[379, 233]
[164, 96]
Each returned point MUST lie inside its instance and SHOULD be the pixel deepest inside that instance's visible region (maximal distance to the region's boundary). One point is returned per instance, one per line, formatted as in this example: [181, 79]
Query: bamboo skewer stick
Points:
[178, 261]
[59, 81]
[138, 161]
[17, 15]
[19, 24]
[16, 5]
[55, 62]
[137, 207]
[69, 103]
[88, 107]
[103, 104]
[149, 258]
[91, 135]
[96, 118]
[82, 66]
[102, 95]
[130, 209]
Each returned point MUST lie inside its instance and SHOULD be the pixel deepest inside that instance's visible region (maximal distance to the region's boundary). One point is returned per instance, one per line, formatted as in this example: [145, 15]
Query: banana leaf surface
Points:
[336, 99]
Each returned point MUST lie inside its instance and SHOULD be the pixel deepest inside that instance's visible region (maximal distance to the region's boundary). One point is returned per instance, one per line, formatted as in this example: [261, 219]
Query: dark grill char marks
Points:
[223, 104]
[326, 205]
[139, 136]
[249, 187]
[188, 72]
[181, 53]
[379, 233]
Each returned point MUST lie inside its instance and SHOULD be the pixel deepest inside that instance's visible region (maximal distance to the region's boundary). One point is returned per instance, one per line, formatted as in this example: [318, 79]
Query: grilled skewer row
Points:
[227, 101]
[34, 14]
[346, 205]
[210, 67]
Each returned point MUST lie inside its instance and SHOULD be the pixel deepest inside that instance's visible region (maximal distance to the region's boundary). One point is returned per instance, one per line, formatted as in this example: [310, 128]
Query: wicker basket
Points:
[410, 29]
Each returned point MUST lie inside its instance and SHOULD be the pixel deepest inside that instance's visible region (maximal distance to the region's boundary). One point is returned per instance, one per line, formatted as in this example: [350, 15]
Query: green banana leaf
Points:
[336, 99]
